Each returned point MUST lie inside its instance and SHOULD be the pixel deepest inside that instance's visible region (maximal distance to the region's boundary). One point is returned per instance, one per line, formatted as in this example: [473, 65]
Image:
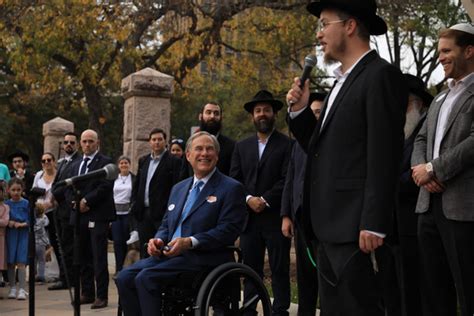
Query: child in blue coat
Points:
[17, 238]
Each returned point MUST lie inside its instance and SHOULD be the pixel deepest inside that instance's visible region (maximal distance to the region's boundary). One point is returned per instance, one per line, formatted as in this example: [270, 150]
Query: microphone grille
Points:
[111, 171]
[310, 60]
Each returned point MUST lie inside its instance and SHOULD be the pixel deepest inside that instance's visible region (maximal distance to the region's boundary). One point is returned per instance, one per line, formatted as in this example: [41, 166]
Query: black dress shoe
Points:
[99, 303]
[60, 285]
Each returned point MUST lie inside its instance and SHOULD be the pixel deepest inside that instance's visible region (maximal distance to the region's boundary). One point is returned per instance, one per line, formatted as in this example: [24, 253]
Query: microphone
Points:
[309, 62]
[109, 172]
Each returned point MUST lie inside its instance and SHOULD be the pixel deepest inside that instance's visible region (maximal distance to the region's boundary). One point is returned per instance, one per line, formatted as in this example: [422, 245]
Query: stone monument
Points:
[53, 133]
[147, 105]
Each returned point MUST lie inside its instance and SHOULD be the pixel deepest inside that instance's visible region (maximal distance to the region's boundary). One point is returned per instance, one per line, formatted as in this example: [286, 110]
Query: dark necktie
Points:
[192, 197]
[84, 165]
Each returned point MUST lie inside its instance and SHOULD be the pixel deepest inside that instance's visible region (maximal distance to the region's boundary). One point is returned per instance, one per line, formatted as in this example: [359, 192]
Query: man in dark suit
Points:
[62, 214]
[97, 210]
[260, 163]
[210, 120]
[157, 173]
[354, 153]
[443, 168]
[406, 220]
[19, 161]
[205, 215]
[295, 220]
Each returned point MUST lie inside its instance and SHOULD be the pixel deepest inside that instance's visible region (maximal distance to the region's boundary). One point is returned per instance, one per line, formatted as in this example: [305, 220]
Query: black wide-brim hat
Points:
[18, 153]
[365, 10]
[263, 96]
[418, 87]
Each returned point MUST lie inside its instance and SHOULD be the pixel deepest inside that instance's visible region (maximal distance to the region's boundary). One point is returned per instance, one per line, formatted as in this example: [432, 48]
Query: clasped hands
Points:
[422, 178]
[176, 247]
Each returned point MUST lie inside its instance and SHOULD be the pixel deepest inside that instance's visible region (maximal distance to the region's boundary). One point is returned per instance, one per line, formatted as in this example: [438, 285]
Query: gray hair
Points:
[124, 158]
[217, 147]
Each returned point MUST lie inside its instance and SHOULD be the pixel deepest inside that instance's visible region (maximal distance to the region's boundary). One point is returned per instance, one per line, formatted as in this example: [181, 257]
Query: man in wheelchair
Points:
[206, 214]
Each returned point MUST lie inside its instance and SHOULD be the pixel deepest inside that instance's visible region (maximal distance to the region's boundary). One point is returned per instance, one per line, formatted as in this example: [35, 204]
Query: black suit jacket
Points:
[166, 175]
[354, 159]
[98, 192]
[264, 177]
[406, 218]
[64, 205]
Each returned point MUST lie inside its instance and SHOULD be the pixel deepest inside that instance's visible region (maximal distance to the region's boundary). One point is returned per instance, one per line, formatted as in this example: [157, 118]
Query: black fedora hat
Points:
[263, 96]
[365, 10]
[418, 87]
[18, 153]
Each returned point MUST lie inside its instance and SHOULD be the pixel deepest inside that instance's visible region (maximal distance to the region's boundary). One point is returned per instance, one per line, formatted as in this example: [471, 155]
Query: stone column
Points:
[53, 133]
[147, 105]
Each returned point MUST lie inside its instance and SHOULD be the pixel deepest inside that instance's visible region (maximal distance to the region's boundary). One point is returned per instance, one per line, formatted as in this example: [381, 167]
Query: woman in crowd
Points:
[122, 196]
[177, 147]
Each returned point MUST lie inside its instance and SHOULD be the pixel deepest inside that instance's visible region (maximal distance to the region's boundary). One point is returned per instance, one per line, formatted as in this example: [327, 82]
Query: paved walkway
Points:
[57, 303]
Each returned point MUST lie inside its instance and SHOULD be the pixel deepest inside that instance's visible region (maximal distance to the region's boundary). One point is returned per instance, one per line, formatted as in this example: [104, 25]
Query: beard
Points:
[412, 120]
[264, 126]
[212, 127]
[339, 48]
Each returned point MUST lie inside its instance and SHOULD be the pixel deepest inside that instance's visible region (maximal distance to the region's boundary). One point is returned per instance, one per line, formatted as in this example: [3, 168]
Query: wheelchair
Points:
[215, 291]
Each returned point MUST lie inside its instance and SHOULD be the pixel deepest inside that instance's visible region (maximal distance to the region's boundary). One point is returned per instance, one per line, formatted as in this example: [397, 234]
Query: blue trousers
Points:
[140, 285]
[120, 235]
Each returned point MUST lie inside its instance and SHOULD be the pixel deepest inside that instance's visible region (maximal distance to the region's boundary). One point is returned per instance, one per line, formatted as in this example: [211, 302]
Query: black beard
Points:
[212, 127]
[264, 126]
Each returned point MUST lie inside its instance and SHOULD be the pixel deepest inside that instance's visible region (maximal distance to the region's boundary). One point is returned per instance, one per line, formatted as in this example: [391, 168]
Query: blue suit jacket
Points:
[215, 220]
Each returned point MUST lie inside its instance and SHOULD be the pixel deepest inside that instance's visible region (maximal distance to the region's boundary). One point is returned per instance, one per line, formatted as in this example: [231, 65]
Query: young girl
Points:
[17, 238]
[4, 216]
[42, 241]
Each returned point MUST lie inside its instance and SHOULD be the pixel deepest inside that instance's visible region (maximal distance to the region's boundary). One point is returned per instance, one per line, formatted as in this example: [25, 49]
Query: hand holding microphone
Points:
[298, 96]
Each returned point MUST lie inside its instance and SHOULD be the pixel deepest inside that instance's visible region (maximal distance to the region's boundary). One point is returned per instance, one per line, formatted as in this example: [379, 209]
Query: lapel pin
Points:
[171, 207]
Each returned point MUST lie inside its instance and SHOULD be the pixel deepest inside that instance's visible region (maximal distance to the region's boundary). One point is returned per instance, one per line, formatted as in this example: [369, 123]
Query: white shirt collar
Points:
[205, 179]
[91, 157]
[464, 82]
[338, 71]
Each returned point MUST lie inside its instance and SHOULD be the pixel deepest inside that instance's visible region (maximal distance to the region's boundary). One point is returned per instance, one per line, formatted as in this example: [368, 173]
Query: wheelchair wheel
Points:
[222, 291]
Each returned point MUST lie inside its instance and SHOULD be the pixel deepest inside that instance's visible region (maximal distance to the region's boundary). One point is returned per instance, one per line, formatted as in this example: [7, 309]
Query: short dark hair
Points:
[462, 39]
[210, 102]
[15, 180]
[157, 131]
[362, 29]
[71, 134]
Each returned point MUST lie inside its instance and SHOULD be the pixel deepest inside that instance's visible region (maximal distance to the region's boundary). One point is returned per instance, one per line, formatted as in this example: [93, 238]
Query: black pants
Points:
[307, 278]
[54, 240]
[348, 284]
[147, 229]
[447, 258]
[93, 244]
[253, 243]
[66, 233]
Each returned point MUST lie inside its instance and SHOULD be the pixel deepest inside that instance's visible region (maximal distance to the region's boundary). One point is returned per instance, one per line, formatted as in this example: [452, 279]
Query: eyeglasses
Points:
[321, 25]
[177, 141]
[46, 160]
[69, 142]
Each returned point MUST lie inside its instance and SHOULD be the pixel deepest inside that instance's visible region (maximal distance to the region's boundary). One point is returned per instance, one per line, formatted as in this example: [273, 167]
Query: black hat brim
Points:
[374, 23]
[276, 105]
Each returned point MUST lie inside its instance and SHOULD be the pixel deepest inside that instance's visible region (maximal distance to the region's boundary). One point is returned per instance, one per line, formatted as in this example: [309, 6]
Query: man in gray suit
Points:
[443, 168]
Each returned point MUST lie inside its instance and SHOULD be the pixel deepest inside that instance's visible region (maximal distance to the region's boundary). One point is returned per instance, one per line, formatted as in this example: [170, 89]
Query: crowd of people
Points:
[375, 189]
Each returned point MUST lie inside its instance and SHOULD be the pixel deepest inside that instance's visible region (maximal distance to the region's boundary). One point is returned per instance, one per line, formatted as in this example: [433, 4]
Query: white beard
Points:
[412, 120]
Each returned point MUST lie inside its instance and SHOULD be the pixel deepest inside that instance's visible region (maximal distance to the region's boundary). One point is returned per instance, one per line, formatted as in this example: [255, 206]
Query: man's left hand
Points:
[83, 206]
[369, 242]
[178, 246]
[434, 186]
[420, 175]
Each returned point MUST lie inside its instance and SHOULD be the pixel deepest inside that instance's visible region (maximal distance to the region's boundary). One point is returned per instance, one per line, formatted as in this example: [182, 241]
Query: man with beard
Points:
[443, 168]
[210, 120]
[260, 163]
[354, 152]
[419, 100]
[19, 161]
[62, 214]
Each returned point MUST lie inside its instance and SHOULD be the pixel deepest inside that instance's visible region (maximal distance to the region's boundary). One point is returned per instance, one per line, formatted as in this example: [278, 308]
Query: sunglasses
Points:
[46, 160]
[69, 142]
[177, 141]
